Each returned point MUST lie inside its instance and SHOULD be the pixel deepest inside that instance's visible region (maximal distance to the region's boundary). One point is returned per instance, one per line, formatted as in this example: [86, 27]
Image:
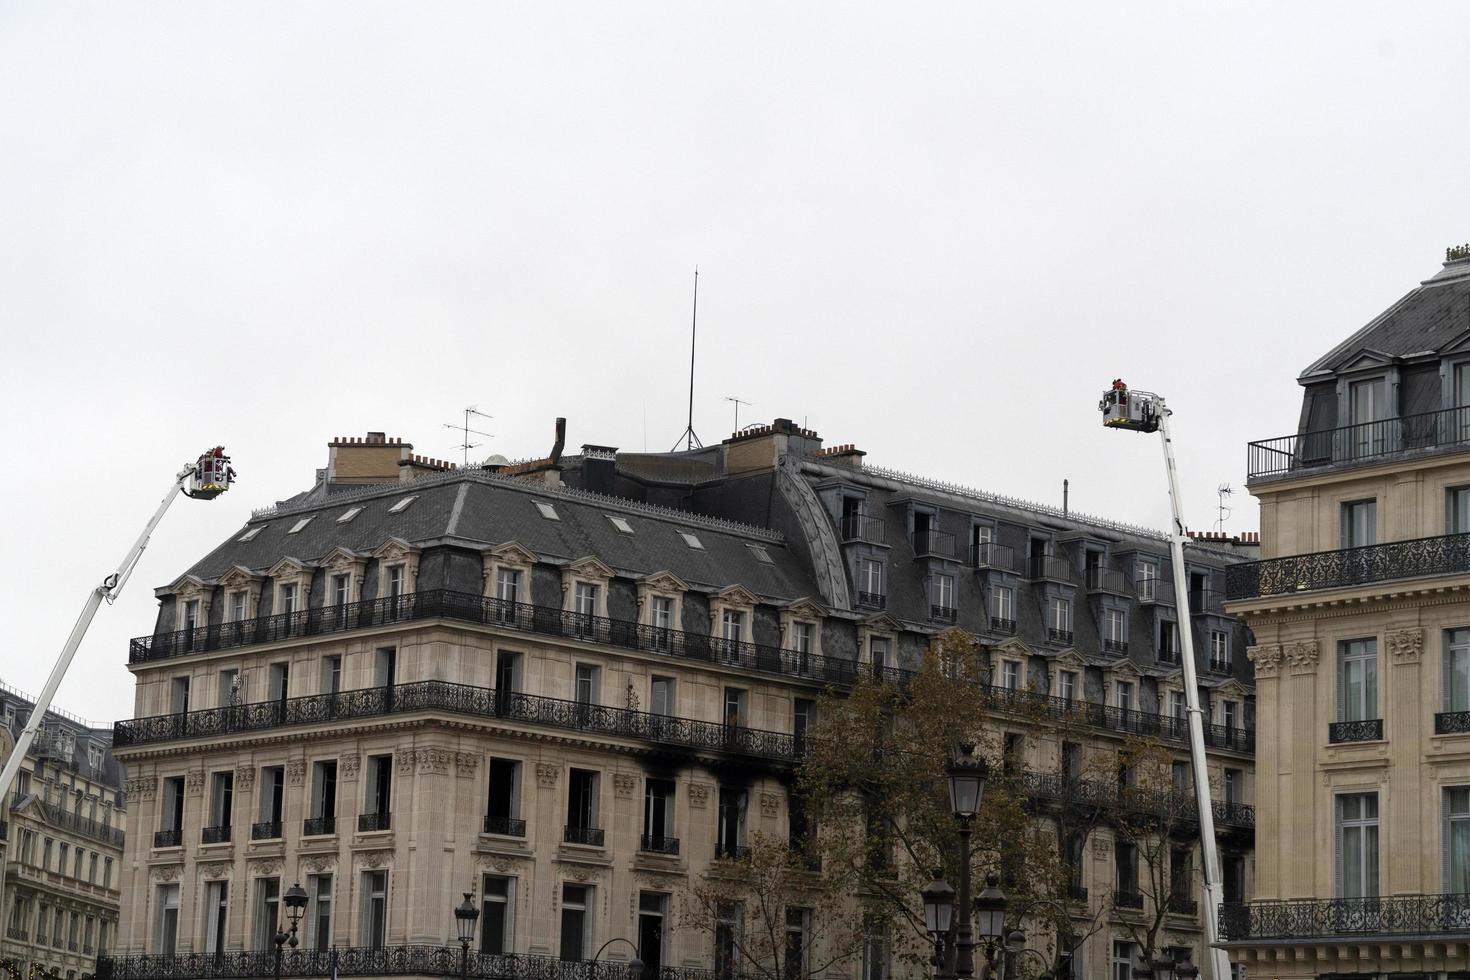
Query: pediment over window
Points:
[1125, 669]
[1070, 660]
[1366, 359]
[1233, 688]
[737, 595]
[512, 553]
[590, 568]
[185, 585]
[394, 549]
[341, 558]
[288, 567]
[663, 581]
[240, 577]
[805, 608]
[880, 623]
[1012, 647]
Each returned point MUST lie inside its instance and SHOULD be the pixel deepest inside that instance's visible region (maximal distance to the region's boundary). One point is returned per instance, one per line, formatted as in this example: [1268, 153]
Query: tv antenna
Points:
[466, 431]
[690, 440]
[738, 402]
[1222, 491]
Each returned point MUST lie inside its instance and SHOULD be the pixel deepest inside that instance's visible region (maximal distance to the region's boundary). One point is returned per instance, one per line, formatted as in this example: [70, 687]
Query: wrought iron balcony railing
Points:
[14, 932]
[457, 699]
[215, 835]
[61, 817]
[934, 543]
[1168, 656]
[1400, 915]
[1207, 601]
[1182, 905]
[266, 830]
[1221, 665]
[590, 836]
[945, 614]
[1124, 898]
[168, 838]
[318, 826]
[1447, 554]
[1452, 722]
[505, 826]
[861, 527]
[1051, 568]
[996, 557]
[1075, 892]
[1366, 730]
[1115, 648]
[1100, 578]
[873, 600]
[1054, 635]
[383, 961]
[732, 852]
[657, 844]
[999, 625]
[1154, 591]
[369, 822]
[1356, 445]
[1106, 796]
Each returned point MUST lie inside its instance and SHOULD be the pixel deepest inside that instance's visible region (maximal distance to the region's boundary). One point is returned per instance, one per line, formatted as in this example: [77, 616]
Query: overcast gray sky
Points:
[937, 231]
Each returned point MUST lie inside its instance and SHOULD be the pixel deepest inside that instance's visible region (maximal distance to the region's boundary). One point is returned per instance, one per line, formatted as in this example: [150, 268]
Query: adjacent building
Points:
[1362, 627]
[62, 836]
[568, 685]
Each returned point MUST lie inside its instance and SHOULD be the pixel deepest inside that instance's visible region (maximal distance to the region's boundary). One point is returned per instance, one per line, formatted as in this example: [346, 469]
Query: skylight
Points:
[349, 514]
[621, 523]
[547, 511]
[691, 541]
[761, 554]
[250, 534]
[300, 524]
[402, 505]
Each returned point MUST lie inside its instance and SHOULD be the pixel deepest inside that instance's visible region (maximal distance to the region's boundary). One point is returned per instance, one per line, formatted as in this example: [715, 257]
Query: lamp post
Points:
[636, 964]
[938, 914]
[966, 787]
[465, 917]
[295, 899]
[991, 908]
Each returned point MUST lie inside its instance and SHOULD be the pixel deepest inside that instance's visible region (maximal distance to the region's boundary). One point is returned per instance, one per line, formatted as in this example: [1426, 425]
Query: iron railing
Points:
[1452, 722]
[861, 527]
[215, 835]
[1075, 892]
[369, 822]
[1365, 730]
[934, 543]
[505, 826]
[265, 830]
[1059, 636]
[382, 961]
[945, 614]
[1154, 590]
[591, 836]
[989, 554]
[1115, 648]
[85, 826]
[999, 625]
[1447, 554]
[1358, 444]
[1401, 915]
[1220, 665]
[1206, 601]
[318, 826]
[873, 600]
[1100, 578]
[732, 852]
[1108, 797]
[1182, 905]
[13, 932]
[1126, 899]
[1052, 568]
[168, 838]
[658, 844]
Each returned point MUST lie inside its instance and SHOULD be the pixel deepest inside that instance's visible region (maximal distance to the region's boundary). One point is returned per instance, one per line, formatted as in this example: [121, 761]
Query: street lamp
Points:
[938, 914]
[635, 964]
[295, 899]
[966, 788]
[465, 917]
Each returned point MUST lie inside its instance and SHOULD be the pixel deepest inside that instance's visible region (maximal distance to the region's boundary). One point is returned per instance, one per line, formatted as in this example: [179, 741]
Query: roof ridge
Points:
[53, 710]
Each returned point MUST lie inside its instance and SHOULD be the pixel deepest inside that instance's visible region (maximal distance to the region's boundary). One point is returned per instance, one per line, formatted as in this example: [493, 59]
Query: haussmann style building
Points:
[571, 685]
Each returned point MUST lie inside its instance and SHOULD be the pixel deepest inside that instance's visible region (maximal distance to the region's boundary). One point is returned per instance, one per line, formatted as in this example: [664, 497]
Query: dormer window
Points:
[402, 505]
[732, 623]
[691, 541]
[297, 527]
[395, 580]
[547, 511]
[349, 514]
[621, 523]
[288, 598]
[250, 534]
[761, 554]
[586, 599]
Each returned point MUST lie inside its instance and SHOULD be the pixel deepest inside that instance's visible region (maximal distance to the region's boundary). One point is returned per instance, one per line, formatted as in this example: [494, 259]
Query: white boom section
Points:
[1214, 891]
[108, 590]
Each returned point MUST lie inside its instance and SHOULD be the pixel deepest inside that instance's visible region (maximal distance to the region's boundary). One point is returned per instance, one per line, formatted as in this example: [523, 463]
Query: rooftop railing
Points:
[934, 543]
[1358, 445]
[1052, 568]
[861, 527]
[85, 826]
[989, 554]
[1400, 915]
[1447, 554]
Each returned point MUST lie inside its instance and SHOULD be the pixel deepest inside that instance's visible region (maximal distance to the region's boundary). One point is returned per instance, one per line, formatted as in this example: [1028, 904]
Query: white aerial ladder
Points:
[204, 479]
[1144, 411]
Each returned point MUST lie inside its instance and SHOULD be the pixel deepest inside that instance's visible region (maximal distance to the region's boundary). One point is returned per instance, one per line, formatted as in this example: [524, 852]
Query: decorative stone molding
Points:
[500, 863]
[194, 783]
[1267, 659]
[216, 869]
[465, 763]
[435, 761]
[770, 804]
[625, 783]
[698, 795]
[1102, 847]
[263, 867]
[583, 872]
[1406, 646]
[320, 863]
[168, 872]
[296, 771]
[1302, 656]
[546, 774]
[347, 768]
[374, 859]
[405, 762]
[142, 787]
[244, 778]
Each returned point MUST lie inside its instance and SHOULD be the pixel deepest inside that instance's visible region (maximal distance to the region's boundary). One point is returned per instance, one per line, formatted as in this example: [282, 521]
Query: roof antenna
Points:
[738, 402]
[691, 441]
[1065, 483]
[466, 431]
[1222, 491]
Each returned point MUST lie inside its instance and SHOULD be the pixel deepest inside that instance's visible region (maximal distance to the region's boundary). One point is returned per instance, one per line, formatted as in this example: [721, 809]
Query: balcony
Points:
[505, 826]
[266, 830]
[1101, 578]
[16, 933]
[1127, 899]
[1313, 919]
[873, 600]
[1154, 591]
[732, 852]
[369, 822]
[1105, 796]
[1182, 905]
[1049, 568]
[1347, 567]
[657, 844]
[1206, 601]
[1221, 665]
[168, 838]
[944, 614]
[1452, 723]
[1366, 730]
[587, 836]
[1115, 648]
[1062, 637]
[861, 527]
[1444, 431]
[999, 625]
[934, 544]
[1168, 656]
[996, 557]
[61, 817]
[318, 826]
[1075, 892]
[215, 835]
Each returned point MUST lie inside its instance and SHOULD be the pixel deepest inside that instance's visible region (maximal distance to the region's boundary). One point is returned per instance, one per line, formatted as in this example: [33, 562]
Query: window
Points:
[728, 917]
[375, 908]
[61, 859]
[385, 666]
[658, 816]
[1231, 712]
[944, 591]
[288, 599]
[663, 615]
[1003, 604]
[107, 872]
[798, 925]
[167, 926]
[586, 684]
[267, 908]
[732, 631]
[582, 804]
[621, 523]
[1457, 506]
[1357, 845]
[691, 541]
[237, 606]
[870, 579]
[585, 599]
[1124, 695]
[1233, 782]
[1456, 831]
[45, 918]
[1177, 706]
[802, 641]
[1010, 675]
[1146, 578]
[661, 695]
[341, 589]
[395, 581]
[803, 714]
[1181, 872]
[331, 675]
[760, 554]
[878, 653]
[179, 695]
[1067, 685]
[1168, 640]
[1359, 523]
[1357, 688]
[653, 908]
[299, 525]
[272, 799]
[1122, 960]
[402, 505]
[92, 869]
[1125, 867]
[324, 796]
[1115, 626]
[1457, 670]
[498, 908]
[1367, 403]
[173, 808]
[547, 510]
[349, 514]
[508, 585]
[191, 615]
[576, 924]
[734, 706]
[1179, 776]
[222, 799]
[216, 915]
[250, 534]
[1219, 648]
[380, 790]
[503, 808]
[1059, 616]
[319, 925]
[730, 831]
[1233, 875]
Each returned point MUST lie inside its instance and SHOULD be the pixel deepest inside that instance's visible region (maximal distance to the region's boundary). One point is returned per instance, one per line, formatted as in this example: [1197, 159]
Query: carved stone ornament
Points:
[244, 778]
[375, 859]
[1302, 655]
[405, 762]
[1406, 646]
[698, 795]
[499, 863]
[320, 863]
[216, 869]
[465, 763]
[625, 783]
[264, 867]
[434, 760]
[142, 787]
[169, 872]
[546, 774]
[1267, 659]
[770, 804]
[347, 768]
[1102, 847]
[194, 783]
[582, 872]
[296, 771]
